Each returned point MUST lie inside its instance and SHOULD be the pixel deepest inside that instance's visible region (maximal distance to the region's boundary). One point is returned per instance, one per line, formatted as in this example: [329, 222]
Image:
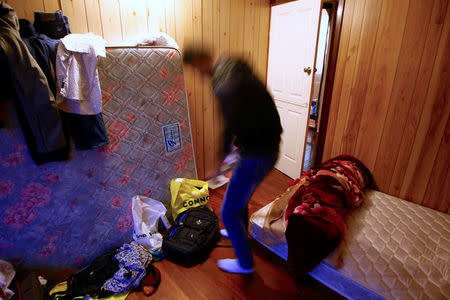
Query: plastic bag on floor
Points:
[188, 193]
[146, 215]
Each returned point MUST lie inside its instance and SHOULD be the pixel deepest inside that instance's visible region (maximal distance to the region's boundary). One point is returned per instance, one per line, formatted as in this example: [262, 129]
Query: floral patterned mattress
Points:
[64, 214]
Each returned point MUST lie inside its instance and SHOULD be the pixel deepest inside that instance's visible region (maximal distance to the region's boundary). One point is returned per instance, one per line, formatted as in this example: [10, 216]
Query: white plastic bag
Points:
[146, 215]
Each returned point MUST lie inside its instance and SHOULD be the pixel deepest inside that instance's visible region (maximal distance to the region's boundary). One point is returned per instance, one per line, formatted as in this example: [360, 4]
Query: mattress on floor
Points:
[393, 249]
[64, 214]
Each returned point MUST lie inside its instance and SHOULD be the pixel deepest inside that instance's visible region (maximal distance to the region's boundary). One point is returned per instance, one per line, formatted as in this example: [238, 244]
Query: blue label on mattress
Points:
[172, 137]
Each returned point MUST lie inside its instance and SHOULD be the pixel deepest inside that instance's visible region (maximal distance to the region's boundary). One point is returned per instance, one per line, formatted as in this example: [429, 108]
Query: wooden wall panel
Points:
[156, 15]
[217, 116]
[335, 104]
[432, 122]
[208, 100]
[249, 30]
[390, 104]
[94, 19]
[263, 42]
[420, 91]
[111, 20]
[76, 12]
[25, 9]
[133, 19]
[198, 128]
[439, 181]
[223, 27]
[236, 32]
[413, 42]
[52, 5]
[385, 57]
[365, 32]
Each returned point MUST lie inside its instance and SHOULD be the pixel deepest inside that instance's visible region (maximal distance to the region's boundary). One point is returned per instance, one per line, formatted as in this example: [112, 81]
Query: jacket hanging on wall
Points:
[52, 24]
[42, 48]
[78, 89]
[39, 120]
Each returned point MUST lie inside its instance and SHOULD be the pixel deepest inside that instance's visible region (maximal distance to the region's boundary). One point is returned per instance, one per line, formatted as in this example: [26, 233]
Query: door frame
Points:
[338, 13]
[336, 26]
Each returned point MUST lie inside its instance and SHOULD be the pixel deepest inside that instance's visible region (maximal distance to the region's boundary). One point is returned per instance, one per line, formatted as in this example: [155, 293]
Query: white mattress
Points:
[393, 249]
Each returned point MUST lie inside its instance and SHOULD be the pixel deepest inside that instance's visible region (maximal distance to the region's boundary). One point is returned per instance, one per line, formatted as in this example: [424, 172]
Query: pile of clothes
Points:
[310, 215]
[315, 214]
[52, 77]
[116, 272]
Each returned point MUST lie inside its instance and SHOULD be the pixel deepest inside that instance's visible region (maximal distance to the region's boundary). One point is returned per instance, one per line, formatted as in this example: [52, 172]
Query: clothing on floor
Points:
[248, 109]
[42, 48]
[7, 274]
[31, 90]
[90, 280]
[87, 131]
[248, 174]
[133, 259]
[61, 287]
[78, 85]
[52, 24]
[151, 281]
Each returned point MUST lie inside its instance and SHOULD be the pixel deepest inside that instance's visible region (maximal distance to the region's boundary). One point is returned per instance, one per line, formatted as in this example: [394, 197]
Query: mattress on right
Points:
[392, 248]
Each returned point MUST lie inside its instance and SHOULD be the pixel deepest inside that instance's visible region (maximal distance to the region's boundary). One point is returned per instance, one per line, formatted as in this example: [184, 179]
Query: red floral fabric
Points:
[330, 191]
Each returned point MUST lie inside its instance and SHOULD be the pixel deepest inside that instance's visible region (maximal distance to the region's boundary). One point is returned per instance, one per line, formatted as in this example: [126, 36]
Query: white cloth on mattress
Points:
[395, 248]
[78, 85]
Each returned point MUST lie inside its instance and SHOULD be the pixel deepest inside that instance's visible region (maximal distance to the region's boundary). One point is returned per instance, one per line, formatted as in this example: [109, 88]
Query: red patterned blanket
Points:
[315, 215]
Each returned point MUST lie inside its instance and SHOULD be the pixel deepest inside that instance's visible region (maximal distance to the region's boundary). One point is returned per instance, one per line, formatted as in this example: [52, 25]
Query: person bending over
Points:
[253, 125]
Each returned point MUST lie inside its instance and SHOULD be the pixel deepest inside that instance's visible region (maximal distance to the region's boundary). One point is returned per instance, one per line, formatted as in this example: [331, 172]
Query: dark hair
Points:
[190, 54]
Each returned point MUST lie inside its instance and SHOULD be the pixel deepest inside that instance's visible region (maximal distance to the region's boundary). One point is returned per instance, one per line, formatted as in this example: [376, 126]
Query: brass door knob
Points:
[307, 70]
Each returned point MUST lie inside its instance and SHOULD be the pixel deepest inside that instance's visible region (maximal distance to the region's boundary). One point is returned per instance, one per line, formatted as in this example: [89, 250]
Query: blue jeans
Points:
[247, 175]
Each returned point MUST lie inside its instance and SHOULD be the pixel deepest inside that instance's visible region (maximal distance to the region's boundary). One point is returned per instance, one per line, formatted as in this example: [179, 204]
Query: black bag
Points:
[192, 238]
[90, 280]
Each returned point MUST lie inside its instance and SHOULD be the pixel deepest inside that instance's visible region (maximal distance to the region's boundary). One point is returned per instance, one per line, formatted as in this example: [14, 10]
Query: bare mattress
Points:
[393, 249]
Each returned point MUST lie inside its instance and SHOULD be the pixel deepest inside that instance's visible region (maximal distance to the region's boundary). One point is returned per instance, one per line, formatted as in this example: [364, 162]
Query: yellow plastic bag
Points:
[188, 193]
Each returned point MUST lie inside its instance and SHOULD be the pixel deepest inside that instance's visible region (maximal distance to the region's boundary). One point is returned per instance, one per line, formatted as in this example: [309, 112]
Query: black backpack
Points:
[192, 238]
[90, 280]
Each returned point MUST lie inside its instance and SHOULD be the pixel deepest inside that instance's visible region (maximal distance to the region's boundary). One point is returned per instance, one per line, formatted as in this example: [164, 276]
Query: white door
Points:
[292, 50]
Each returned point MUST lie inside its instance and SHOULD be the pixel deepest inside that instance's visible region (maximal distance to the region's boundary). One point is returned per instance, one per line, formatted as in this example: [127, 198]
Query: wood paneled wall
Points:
[235, 27]
[390, 105]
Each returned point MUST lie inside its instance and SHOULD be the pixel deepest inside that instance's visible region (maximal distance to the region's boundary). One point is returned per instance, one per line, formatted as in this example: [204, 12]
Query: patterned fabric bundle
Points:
[133, 259]
[315, 213]
[330, 191]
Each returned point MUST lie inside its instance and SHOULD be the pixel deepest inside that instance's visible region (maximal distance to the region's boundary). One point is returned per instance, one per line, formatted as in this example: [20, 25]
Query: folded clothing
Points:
[133, 259]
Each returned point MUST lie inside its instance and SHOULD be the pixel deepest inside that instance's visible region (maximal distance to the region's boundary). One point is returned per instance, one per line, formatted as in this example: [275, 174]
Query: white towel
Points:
[77, 80]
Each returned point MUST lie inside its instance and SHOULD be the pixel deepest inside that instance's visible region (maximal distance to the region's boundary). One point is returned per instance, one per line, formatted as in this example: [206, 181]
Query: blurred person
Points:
[252, 124]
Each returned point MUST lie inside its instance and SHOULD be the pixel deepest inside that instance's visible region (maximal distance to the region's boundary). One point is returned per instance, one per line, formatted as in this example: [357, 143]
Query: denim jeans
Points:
[247, 175]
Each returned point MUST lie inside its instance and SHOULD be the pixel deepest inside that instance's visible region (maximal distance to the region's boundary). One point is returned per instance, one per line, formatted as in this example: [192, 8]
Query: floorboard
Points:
[269, 281]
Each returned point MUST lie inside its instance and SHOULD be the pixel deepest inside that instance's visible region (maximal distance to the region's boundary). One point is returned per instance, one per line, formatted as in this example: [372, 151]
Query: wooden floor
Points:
[269, 281]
